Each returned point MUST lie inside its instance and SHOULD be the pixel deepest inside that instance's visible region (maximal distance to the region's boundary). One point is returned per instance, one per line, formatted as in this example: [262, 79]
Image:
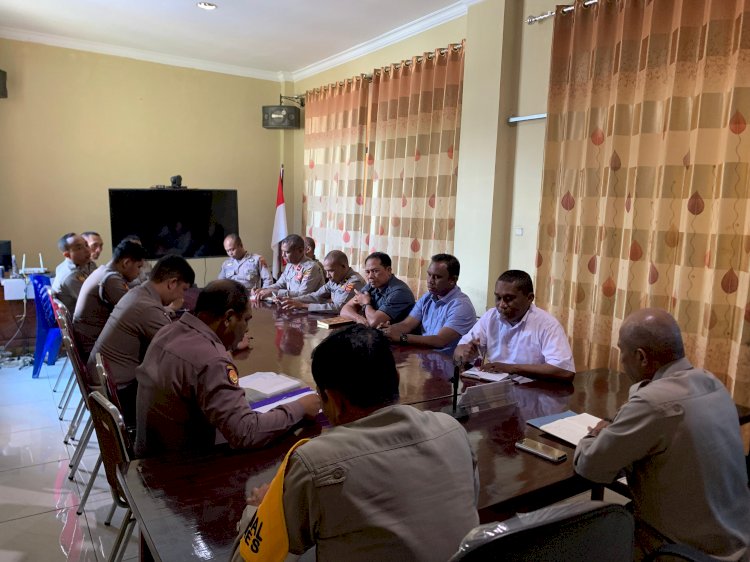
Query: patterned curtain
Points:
[399, 196]
[645, 187]
[412, 160]
[335, 152]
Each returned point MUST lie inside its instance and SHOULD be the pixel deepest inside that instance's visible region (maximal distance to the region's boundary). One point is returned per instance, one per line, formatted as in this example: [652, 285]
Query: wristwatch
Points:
[404, 338]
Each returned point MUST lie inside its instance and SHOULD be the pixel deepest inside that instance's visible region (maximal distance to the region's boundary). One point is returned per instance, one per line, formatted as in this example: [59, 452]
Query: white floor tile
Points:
[32, 490]
[28, 448]
[54, 535]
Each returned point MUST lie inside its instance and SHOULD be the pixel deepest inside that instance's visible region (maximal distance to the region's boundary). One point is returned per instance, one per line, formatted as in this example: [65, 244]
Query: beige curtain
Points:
[335, 152]
[412, 160]
[645, 187]
[399, 195]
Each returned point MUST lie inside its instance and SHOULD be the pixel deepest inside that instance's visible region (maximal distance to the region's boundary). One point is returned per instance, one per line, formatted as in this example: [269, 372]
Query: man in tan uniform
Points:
[301, 276]
[188, 385]
[72, 272]
[95, 242]
[133, 324]
[342, 282]
[102, 290]
[386, 482]
[248, 269]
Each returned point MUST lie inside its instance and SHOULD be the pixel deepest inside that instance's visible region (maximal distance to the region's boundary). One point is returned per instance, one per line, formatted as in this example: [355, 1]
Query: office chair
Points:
[580, 531]
[47, 333]
[110, 431]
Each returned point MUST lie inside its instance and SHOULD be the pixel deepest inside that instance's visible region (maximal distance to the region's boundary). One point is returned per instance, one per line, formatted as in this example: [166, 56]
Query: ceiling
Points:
[271, 39]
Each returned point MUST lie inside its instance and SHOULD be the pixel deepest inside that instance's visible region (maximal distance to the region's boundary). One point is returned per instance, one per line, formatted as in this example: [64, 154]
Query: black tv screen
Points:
[183, 222]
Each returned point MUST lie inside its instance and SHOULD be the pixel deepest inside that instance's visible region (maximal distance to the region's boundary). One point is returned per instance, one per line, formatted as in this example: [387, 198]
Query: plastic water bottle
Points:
[14, 271]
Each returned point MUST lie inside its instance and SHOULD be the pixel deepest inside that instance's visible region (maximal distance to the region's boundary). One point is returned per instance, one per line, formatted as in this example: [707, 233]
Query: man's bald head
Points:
[337, 257]
[649, 339]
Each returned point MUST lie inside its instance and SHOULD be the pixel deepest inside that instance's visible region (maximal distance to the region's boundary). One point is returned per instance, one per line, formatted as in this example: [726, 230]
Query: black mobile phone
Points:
[541, 450]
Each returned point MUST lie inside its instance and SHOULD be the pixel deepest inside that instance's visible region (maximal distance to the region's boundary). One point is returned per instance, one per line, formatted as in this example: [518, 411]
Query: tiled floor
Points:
[38, 503]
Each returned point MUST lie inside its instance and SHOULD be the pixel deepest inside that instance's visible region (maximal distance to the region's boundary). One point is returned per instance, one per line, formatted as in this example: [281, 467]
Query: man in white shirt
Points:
[516, 337]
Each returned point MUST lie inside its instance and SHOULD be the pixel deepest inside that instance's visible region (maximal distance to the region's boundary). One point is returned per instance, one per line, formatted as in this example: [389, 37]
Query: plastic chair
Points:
[110, 430]
[580, 531]
[48, 337]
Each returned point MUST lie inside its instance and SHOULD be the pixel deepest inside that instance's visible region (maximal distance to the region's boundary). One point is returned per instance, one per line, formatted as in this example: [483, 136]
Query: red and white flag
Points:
[279, 226]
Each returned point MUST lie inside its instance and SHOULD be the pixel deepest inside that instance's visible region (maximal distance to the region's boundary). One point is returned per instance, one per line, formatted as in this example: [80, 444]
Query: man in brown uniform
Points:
[72, 272]
[102, 290]
[133, 324]
[188, 386]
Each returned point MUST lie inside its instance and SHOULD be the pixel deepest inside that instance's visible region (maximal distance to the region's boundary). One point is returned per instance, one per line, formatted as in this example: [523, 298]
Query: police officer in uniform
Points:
[188, 385]
[102, 290]
[342, 282]
[246, 268]
[72, 272]
[301, 276]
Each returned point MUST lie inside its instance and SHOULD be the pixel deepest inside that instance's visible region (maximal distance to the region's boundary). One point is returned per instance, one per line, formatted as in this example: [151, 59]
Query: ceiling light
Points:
[206, 5]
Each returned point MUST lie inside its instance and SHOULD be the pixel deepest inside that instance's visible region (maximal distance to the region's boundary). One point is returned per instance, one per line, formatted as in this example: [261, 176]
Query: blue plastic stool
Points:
[48, 335]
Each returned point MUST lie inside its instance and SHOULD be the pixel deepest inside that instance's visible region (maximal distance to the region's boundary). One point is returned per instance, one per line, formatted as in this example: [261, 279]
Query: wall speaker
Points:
[3, 84]
[280, 117]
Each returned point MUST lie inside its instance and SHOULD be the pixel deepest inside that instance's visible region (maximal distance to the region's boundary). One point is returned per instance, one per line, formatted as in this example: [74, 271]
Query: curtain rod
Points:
[368, 77]
[534, 19]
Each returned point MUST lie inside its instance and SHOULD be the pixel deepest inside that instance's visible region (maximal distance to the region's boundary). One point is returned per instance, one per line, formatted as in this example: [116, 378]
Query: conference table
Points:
[187, 504]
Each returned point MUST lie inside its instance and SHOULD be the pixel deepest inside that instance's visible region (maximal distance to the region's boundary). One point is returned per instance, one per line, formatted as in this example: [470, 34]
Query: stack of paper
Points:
[568, 425]
[476, 373]
[265, 384]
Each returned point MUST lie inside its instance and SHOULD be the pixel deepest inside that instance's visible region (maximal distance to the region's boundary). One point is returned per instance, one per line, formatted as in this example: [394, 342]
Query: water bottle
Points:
[14, 271]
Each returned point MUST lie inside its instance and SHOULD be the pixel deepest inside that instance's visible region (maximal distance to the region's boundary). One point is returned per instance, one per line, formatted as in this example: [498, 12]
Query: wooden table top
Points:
[188, 505]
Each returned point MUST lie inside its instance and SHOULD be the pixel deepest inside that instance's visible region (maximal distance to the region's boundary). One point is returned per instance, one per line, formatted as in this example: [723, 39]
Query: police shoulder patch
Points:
[232, 375]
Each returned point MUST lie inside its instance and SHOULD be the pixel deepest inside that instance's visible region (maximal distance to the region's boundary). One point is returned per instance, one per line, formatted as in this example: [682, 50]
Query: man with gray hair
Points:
[678, 440]
[342, 282]
[301, 275]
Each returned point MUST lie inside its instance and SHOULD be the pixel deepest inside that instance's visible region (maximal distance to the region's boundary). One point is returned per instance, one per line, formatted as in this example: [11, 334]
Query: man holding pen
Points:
[516, 337]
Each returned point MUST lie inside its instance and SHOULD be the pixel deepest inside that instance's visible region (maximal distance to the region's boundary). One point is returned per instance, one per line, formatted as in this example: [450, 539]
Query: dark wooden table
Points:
[188, 505]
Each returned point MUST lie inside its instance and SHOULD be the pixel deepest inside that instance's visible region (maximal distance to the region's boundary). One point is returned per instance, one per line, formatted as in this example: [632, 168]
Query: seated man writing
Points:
[342, 282]
[134, 322]
[516, 337]
[386, 482]
[248, 269]
[188, 385]
[385, 298]
[444, 313]
[678, 440]
[301, 275]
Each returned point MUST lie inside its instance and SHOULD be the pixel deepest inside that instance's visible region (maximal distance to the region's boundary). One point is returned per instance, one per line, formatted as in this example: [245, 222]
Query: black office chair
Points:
[580, 531]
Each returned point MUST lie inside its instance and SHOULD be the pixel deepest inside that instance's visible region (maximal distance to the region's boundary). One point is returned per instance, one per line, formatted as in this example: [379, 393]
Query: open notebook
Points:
[568, 425]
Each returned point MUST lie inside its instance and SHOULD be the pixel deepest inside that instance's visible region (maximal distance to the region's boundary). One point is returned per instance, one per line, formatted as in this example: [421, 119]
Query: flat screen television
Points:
[184, 222]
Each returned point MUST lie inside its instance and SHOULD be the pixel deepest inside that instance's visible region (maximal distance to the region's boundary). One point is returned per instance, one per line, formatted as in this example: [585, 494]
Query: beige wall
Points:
[533, 83]
[77, 123]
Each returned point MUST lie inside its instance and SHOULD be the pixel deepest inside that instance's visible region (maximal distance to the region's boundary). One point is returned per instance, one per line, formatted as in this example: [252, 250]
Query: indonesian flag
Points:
[279, 226]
